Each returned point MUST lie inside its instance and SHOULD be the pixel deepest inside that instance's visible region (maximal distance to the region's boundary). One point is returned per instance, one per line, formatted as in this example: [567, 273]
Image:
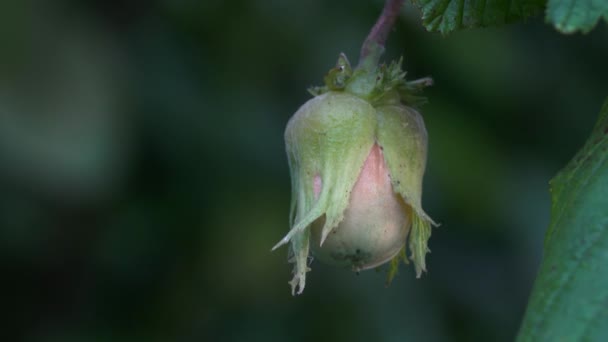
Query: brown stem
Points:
[373, 46]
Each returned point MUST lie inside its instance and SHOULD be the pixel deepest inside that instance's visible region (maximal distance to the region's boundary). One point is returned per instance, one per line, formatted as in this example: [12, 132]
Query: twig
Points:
[373, 46]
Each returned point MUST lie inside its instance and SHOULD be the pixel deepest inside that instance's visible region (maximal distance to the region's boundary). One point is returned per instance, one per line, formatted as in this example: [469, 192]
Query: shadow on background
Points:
[143, 177]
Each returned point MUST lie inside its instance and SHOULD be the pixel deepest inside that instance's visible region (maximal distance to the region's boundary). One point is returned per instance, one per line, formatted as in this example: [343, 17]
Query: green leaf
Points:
[449, 15]
[570, 16]
[569, 301]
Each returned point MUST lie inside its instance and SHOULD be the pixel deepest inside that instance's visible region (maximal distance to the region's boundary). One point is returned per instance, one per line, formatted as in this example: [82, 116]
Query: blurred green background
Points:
[143, 177]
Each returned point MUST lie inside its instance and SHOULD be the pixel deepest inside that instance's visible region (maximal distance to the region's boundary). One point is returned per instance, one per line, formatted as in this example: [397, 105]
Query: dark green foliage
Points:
[570, 295]
[570, 16]
[448, 15]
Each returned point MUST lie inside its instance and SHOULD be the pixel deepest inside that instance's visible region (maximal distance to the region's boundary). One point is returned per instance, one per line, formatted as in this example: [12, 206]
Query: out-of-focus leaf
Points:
[569, 301]
[570, 16]
[448, 15]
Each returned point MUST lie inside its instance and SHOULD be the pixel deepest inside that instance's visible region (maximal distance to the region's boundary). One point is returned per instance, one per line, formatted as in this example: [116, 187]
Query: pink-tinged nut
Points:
[357, 156]
[375, 224]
